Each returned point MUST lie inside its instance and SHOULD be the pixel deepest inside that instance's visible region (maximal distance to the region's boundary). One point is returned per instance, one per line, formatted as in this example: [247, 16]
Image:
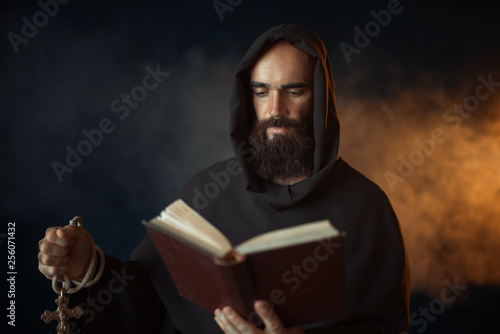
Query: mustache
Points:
[279, 121]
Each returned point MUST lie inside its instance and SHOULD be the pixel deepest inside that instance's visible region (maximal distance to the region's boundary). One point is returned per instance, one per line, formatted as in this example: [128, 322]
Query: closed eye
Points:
[260, 93]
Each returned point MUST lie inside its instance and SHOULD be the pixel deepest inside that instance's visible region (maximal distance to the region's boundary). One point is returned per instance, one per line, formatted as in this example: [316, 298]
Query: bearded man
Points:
[285, 134]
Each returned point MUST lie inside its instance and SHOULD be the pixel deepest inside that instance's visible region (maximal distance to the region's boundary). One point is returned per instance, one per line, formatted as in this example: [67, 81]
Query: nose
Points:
[277, 105]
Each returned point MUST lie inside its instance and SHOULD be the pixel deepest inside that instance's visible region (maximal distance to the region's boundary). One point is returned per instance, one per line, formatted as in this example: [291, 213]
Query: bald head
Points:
[284, 62]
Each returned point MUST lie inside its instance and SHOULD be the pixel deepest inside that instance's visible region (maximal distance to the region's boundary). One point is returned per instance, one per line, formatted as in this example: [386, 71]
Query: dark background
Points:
[395, 91]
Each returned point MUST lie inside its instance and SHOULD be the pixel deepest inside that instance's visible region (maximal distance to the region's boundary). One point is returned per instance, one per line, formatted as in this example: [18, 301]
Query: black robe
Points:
[242, 205]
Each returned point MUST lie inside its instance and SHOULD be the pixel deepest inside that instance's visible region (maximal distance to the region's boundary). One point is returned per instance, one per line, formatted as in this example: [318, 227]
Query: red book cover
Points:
[304, 283]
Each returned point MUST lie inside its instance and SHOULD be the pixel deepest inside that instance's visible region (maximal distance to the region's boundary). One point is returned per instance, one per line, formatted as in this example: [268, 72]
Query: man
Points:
[285, 134]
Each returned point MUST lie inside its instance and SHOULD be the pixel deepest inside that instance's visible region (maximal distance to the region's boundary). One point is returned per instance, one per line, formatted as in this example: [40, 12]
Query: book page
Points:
[288, 236]
[183, 222]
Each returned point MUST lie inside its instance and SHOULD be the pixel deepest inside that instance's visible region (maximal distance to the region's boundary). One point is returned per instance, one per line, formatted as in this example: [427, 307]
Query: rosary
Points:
[63, 313]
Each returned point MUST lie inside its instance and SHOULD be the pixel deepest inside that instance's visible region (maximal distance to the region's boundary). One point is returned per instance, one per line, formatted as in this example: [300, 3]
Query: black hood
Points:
[325, 118]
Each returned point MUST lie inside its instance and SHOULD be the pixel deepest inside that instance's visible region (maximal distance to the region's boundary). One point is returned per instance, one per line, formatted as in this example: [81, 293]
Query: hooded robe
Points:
[139, 296]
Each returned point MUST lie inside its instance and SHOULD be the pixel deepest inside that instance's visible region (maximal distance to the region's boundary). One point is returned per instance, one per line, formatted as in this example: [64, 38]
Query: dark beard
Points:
[282, 156]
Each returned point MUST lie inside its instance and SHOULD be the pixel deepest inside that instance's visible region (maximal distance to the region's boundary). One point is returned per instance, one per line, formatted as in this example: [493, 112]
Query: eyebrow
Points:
[257, 84]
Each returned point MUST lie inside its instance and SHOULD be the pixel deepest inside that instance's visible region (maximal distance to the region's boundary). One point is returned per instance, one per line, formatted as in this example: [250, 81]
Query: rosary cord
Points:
[84, 283]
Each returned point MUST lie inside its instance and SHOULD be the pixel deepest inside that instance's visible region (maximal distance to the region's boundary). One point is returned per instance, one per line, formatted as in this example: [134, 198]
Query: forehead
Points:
[283, 63]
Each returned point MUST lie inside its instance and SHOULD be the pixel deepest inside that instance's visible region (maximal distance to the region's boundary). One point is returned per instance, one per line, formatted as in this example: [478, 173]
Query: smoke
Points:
[447, 201]
[446, 207]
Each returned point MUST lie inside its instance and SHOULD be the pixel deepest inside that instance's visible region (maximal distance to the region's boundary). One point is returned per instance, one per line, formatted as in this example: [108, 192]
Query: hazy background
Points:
[395, 91]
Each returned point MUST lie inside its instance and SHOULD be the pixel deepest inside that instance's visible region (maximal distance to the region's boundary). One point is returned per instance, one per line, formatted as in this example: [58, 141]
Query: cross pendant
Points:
[62, 314]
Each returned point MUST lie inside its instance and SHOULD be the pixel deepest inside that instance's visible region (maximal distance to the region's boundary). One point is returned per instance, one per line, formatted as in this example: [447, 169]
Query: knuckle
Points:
[274, 326]
[245, 329]
[51, 233]
[49, 261]
[45, 247]
[52, 271]
[41, 259]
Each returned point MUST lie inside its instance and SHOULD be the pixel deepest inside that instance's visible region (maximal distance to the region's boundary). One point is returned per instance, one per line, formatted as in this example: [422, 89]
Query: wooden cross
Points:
[62, 314]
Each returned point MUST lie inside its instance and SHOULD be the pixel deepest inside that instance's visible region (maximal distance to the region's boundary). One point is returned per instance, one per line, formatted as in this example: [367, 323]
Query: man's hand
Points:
[232, 323]
[64, 251]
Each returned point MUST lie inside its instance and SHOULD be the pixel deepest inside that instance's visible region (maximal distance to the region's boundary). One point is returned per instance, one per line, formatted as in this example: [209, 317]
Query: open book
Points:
[300, 269]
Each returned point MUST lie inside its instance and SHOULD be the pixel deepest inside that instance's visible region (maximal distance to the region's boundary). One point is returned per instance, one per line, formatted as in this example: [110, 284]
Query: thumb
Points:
[270, 319]
[72, 233]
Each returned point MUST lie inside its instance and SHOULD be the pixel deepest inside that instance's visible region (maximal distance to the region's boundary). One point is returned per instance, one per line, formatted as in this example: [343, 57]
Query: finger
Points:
[73, 232]
[221, 325]
[52, 249]
[217, 319]
[50, 272]
[59, 236]
[52, 261]
[270, 319]
[239, 324]
[229, 327]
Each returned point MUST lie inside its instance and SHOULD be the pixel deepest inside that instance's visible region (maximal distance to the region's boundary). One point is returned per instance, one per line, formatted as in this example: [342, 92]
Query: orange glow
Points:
[449, 207]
